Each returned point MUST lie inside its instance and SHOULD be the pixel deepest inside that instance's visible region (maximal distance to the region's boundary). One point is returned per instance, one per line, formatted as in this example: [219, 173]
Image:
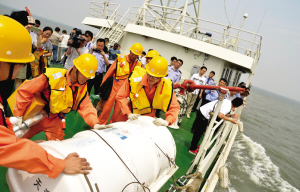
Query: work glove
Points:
[19, 121]
[160, 122]
[98, 126]
[132, 116]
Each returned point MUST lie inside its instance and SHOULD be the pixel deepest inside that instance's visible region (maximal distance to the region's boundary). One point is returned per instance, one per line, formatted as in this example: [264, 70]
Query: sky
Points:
[278, 66]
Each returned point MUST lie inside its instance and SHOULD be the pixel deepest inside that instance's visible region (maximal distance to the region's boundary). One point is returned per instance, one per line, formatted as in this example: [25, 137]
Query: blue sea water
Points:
[266, 157]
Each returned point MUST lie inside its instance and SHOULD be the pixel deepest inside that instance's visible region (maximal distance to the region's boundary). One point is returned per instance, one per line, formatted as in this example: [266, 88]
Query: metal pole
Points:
[237, 43]
[183, 16]
[249, 79]
[198, 18]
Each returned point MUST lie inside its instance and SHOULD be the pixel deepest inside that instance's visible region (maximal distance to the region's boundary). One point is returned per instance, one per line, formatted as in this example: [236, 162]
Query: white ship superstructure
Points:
[172, 30]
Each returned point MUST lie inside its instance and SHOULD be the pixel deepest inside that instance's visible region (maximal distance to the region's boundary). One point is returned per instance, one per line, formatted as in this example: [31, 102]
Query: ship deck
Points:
[182, 138]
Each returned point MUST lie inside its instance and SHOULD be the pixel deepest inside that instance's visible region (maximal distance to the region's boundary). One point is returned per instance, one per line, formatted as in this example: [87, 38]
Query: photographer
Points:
[90, 43]
[73, 53]
[102, 59]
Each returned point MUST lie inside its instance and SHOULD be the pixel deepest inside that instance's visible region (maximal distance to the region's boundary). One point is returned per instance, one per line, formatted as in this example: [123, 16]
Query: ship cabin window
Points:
[227, 73]
[237, 78]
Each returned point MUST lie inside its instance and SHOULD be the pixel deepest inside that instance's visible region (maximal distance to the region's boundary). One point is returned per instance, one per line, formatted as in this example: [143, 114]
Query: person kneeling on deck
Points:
[17, 153]
[203, 115]
[116, 75]
[146, 90]
[62, 91]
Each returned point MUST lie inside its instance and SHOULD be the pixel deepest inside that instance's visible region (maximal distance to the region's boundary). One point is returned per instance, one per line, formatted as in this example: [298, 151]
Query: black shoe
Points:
[193, 131]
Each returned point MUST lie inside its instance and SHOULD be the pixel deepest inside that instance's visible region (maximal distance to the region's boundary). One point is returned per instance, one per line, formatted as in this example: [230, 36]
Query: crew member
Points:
[62, 90]
[17, 153]
[212, 95]
[152, 53]
[119, 71]
[203, 115]
[148, 91]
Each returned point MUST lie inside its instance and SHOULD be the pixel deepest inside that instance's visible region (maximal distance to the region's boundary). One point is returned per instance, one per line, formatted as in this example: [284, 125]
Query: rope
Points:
[138, 183]
[124, 164]
[236, 11]
[198, 174]
[190, 187]
[171, 162]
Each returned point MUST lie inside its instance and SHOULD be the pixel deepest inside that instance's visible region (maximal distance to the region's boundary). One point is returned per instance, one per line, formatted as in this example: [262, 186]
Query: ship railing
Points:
[213, 144]
[117, 31]
[112, 17]
[170, 19]
[104, 10]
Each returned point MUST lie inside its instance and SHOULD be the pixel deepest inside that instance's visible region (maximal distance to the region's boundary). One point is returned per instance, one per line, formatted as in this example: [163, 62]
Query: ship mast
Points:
[172, 16]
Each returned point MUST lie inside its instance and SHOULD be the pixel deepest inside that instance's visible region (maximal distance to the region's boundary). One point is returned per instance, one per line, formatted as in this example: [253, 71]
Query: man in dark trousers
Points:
[203, 115]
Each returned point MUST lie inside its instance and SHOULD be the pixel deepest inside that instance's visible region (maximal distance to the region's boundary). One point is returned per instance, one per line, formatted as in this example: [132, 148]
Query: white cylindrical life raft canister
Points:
[140, 144]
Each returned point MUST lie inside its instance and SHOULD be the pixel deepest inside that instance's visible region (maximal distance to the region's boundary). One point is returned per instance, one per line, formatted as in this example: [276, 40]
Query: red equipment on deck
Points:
[190, 86]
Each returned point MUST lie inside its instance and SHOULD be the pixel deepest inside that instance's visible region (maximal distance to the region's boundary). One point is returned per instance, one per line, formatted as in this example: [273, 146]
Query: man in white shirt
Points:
[143, 58]
[89, 43]
[199, 79]
[55, 38]
[203, 115]
[73, 53]
[64, 42]
[102, 59]
[209, 81]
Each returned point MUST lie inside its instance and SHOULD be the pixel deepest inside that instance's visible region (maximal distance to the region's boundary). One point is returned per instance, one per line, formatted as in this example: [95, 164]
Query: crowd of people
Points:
[134, 84]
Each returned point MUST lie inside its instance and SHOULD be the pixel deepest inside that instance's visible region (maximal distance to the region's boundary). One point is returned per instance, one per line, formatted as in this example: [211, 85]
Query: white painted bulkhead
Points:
[168, 50]
[190, 57]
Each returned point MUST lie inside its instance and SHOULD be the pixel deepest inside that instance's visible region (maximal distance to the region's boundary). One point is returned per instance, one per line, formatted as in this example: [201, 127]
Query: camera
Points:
[96, 50]
[76, 38]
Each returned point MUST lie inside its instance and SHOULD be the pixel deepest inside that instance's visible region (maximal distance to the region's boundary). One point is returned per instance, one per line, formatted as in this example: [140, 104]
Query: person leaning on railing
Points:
[203, 115]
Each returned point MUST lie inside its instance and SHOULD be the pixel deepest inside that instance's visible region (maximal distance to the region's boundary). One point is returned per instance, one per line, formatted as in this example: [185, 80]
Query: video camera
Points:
[76, 38]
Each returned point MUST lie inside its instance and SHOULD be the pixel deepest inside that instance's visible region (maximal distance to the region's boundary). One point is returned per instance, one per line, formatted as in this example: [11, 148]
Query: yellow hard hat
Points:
[137, 49]
[152, 54]
[15, 42]
[157, 67]
[87, 64]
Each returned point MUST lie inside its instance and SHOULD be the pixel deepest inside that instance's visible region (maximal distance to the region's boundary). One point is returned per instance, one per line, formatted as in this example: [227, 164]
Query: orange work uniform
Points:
[117, 83]
[123, 95]
[26, 155]
[51, 125]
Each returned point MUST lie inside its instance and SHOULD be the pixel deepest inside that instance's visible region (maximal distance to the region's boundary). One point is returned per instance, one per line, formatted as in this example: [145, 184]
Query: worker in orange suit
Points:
[150, 56]
[62, 90]
[17, 153]
[146, 91]
[119, 70]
